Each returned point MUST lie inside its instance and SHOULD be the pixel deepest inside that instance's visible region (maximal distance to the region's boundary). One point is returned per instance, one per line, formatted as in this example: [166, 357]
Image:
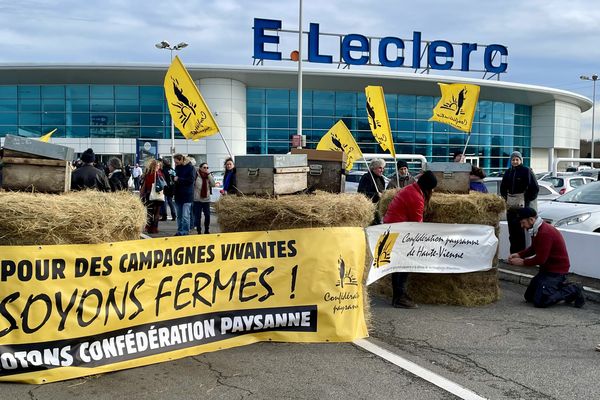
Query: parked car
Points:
[492, 183]
[566, 183]
[352, 179]
[592, 173]
[218, 177]
[547, 191]
[578, 209]
[542, 175]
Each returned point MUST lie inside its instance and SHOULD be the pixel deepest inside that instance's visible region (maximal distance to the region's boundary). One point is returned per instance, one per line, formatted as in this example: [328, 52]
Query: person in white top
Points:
[136, 173]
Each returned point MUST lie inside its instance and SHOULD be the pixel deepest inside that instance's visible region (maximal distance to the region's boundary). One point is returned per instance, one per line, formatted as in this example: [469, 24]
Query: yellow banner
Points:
[186, 105]
[46, 137]
[378, 118]
[457, 105]
[339, 138]
[75, 310]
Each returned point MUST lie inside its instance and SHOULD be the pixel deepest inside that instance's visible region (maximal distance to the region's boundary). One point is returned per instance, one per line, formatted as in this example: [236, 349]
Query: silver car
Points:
[578, 209]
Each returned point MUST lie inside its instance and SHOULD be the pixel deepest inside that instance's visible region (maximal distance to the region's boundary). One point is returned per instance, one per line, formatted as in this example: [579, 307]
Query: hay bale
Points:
[84, 217]
[385, 200]
[469, 289]
[321, 209]
[473, 208]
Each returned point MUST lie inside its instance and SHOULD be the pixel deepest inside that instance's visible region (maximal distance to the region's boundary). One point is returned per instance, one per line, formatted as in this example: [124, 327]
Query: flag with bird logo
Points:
[46, 137]
[457, 105]
[378, 118]
[188, 110]
[339, 138]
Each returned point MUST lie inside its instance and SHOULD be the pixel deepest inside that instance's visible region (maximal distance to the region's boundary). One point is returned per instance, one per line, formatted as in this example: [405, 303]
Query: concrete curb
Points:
[590, 294]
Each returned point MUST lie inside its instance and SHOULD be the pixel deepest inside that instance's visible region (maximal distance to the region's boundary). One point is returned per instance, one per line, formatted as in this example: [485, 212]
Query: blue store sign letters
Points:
[440, 53]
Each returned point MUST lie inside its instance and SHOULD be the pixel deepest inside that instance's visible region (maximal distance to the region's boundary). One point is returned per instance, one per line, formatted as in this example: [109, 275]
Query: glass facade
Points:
[82, 111]
[129, 111]
[498, 128]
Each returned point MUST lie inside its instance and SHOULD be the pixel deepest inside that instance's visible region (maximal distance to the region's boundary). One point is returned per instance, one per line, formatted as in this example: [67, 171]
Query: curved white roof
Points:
[283, 77]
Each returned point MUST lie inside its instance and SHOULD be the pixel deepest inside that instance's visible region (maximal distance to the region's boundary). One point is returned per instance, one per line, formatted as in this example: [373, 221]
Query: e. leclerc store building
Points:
[116, 109]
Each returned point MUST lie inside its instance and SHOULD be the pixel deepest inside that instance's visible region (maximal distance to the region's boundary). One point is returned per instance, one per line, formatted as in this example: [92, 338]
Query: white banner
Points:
[430, 248]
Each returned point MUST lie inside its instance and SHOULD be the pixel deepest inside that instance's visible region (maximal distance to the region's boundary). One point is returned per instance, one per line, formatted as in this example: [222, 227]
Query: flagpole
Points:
[466, 144]
[397, 172]
[226, 145]
[299, 113]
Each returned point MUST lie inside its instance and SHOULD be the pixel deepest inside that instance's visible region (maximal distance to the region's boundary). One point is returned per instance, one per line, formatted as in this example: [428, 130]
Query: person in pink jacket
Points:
[408, 205]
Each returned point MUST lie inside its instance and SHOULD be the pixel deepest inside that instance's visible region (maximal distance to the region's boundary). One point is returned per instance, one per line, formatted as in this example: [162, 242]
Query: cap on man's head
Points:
[516, 154]
[526, 212]
[402, 164]
[88, 156]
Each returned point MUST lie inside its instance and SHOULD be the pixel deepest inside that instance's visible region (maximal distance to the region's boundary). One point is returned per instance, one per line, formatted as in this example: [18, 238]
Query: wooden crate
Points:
[326, 169]
[35, 174]
[451, 177]
[271, 174]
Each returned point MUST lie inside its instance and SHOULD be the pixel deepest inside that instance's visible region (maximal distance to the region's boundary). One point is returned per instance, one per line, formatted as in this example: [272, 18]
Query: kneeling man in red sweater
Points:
[549, 251]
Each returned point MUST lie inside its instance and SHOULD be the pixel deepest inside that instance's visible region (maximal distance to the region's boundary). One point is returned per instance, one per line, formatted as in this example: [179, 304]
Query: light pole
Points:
[593, 78]
[164, 45]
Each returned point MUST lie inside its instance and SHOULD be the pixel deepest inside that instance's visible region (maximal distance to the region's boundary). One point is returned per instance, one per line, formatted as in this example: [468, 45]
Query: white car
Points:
[352, 180]
[566, 183]
[578, 209]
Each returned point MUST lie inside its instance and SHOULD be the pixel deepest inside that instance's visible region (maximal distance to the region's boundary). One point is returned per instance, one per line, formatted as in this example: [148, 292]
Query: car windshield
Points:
[541, 175]
[586, 194]
[354, 177]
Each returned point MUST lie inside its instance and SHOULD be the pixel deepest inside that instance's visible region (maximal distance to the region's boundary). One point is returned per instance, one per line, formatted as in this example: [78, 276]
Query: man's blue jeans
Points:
[184, 213]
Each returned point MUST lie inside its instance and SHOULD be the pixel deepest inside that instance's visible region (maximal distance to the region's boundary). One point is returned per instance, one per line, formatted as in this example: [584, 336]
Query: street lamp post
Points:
[164, 45]
[593, 78]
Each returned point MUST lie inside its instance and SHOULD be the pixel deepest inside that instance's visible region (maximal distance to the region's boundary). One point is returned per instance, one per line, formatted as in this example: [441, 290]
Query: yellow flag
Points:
[188, 109]
[378, 118]
[46, 137]
[457, 105]
[339, 138]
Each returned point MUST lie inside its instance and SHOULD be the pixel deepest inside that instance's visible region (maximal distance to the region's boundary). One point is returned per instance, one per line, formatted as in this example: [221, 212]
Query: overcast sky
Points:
[550, 42]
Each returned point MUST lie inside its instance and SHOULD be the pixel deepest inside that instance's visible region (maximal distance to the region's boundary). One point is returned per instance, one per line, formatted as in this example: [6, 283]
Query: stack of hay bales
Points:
[85, 217]
[469, 289]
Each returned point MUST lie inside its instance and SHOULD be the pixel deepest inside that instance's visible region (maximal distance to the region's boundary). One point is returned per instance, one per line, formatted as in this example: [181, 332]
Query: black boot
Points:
[579, 300]
[403, 302]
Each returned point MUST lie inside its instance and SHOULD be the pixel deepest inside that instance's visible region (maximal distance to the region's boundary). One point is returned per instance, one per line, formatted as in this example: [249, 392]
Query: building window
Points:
[497, 127]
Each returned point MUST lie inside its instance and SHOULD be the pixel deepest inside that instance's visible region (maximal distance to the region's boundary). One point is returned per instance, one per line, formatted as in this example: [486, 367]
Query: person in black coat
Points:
[185, 176]
[518, 183]
[87, 176]
[373, 184]
[116, 177]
